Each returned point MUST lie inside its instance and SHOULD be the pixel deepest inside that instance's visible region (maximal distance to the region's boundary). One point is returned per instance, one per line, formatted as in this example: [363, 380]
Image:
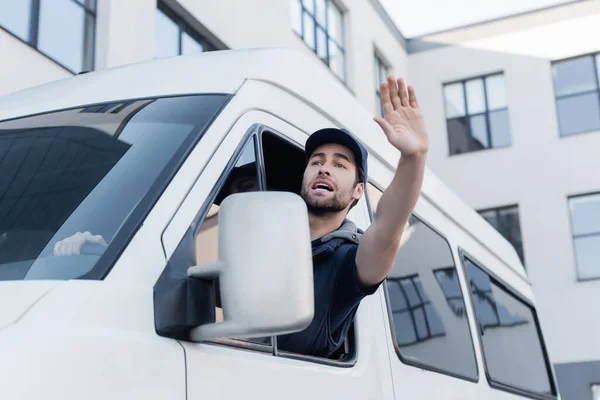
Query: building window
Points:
[585, 227]
[381, 72]
[477, 114]
[174, 37]
[577, 94]
[63, 30]
[506, 221]
[320, 24]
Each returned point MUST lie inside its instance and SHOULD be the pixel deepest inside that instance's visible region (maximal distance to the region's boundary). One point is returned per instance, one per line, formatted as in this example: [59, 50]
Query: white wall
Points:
[537, 172]
[22, 66]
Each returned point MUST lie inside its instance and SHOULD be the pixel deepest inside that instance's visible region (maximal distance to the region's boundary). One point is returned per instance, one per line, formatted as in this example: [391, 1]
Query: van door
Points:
[428, 332]
[231, 368]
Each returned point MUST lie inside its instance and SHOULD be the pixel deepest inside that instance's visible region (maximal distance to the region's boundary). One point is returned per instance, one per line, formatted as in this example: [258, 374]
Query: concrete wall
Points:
[537, 172]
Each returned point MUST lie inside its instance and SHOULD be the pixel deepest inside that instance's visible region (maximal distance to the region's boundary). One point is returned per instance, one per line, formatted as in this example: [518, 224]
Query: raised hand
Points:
[404, 124]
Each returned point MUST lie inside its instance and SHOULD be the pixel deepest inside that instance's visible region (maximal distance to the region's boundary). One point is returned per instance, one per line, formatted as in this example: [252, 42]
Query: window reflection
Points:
[425, 301]
[512, 342]
[417, 317]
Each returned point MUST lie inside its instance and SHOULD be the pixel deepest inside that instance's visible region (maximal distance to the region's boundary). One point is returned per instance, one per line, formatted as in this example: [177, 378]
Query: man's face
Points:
[329, 182]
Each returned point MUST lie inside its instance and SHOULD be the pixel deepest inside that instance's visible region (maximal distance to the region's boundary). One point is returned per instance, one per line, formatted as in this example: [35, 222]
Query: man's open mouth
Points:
[323, 186]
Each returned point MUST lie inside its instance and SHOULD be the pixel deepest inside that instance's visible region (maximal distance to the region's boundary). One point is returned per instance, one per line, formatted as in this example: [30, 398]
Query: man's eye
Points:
[340, 166]
[317, 163]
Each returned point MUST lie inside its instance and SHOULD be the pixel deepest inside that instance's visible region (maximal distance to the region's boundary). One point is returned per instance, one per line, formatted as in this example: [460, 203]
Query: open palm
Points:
[404, 124]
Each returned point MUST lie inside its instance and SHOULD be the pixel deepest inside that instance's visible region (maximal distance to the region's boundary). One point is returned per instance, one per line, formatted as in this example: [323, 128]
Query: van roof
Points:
[224, 72]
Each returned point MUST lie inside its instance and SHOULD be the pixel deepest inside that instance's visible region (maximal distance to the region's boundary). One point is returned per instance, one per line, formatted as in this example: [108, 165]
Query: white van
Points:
[143, 156]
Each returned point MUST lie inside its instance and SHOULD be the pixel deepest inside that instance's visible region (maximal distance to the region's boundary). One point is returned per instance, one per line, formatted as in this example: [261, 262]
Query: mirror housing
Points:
[265, 267]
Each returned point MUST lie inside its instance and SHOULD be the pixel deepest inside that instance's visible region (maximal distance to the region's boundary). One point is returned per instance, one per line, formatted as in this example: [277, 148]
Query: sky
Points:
[416, 18]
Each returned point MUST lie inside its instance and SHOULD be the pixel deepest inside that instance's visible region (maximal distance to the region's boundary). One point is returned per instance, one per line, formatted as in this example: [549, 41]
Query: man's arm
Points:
[404, 127]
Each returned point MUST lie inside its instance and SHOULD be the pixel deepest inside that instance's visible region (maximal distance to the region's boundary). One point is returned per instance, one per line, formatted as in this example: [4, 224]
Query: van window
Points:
[512, 344]
[427, 312]
[242, 177]
[95, 168]
[279, 166]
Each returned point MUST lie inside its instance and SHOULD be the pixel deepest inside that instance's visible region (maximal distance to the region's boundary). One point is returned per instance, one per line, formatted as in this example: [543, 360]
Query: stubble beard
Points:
[317, 206]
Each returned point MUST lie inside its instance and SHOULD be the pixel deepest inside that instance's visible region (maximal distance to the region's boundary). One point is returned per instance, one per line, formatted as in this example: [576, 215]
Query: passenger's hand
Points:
[403, 122]
[72, 245]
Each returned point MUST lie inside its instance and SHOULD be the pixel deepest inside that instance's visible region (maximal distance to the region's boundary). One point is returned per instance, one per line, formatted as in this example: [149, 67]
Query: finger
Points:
[60, 250]
[394, 92]
[402, 92]
[98, 239]
[56, 248]
[385, 126]
[386, 102]
[412, 97]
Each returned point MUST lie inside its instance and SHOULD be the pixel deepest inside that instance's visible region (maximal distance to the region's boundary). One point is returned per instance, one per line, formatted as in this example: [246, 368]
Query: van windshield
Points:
[88, 169]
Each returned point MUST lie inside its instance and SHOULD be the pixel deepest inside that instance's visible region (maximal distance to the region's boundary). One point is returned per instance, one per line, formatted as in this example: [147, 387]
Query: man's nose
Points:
[324, 170]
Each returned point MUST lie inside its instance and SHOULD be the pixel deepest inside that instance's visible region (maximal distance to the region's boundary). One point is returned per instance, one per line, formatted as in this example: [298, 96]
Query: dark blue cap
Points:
[341, 137]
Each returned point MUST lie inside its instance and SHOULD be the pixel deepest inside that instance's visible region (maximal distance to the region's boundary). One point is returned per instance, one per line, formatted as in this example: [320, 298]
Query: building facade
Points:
[513, 107]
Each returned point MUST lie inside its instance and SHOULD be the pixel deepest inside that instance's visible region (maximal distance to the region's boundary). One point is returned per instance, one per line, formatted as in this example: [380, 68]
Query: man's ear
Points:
[358, 191]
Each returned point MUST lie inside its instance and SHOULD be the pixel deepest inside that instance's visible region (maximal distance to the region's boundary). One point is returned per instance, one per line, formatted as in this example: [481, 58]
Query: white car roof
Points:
[225, 72]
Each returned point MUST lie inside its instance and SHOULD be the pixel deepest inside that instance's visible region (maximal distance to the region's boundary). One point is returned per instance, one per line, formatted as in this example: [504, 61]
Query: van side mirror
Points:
[264, 268]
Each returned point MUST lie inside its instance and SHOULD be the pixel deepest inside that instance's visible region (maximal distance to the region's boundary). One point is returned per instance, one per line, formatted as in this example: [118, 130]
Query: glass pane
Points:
[297, 16]
[574, 76]
[444, 339]
[404, 325]
[321, 44]
[458, 136]
[61, 32]
[500, 129]
[337, 62]
[587, 254]
[374, 195]
[410, 292]
[309, 5]
[189, 45]
[475, 96]
[585, 214]
[166, 36]
[57, 169]
[421, 325]
[433, 320]
[14, 16]
[322, 13]
[512, 347]
[455, 100]
[335, 22]
[309, 31]
[496, 92]
[490, 217]
[578, 114]
[479, 132]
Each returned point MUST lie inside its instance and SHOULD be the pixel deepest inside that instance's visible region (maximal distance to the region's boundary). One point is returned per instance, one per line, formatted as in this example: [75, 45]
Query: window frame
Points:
[411, 362]
[486, 113]
[573, 236]
[494, 278]
[183, 27]
[594, 56]
[255, 132]
[89, 35]
[341, 46]
[503, 208]
[380, 64]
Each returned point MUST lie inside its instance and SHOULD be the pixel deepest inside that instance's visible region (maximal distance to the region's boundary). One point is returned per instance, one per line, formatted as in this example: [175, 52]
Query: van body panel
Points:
[93, 340]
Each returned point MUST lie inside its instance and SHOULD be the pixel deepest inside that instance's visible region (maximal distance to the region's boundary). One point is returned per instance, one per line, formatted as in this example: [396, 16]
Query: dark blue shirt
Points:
[337, 297]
